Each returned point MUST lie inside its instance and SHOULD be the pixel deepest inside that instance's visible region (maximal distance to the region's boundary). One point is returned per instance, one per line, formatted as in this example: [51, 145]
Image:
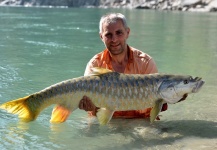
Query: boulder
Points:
[180, 5]
[212, 6]
[190, 2]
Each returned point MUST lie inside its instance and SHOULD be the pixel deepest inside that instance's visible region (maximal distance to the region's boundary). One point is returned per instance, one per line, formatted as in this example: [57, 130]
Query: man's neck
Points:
[120, 61]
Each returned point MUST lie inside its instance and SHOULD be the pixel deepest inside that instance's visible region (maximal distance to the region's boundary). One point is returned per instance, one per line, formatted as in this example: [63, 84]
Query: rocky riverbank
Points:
[180, 5]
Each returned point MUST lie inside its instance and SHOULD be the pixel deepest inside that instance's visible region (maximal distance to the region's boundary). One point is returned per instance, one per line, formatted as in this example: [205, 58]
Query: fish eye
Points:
[186, 81]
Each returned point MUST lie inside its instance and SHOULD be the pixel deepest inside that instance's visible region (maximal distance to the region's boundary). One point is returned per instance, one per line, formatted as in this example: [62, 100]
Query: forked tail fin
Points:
[20, 107]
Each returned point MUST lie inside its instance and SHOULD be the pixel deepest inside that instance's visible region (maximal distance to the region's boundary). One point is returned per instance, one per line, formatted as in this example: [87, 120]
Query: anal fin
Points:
[104, 115]
[156, 110]
[60, 114]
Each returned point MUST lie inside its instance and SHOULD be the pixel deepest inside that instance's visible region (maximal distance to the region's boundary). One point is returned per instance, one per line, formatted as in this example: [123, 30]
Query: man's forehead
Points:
[117, 25]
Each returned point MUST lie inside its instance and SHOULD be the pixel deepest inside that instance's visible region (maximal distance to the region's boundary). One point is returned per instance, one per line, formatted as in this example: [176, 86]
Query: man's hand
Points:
[87, 105]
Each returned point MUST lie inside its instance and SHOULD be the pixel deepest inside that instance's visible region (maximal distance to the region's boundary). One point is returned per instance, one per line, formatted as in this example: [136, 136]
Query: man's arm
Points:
[86, 103]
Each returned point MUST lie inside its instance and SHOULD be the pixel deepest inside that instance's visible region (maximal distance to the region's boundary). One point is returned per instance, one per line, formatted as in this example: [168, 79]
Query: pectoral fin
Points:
[156, 110]
[104, 115]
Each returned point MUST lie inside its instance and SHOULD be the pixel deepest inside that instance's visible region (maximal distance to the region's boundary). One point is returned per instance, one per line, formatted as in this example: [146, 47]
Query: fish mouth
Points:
[199, 84]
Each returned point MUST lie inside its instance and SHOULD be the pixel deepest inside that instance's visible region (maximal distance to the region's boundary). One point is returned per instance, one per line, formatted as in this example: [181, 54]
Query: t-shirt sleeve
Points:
[88, 69]
[150, 67]
[91, 64]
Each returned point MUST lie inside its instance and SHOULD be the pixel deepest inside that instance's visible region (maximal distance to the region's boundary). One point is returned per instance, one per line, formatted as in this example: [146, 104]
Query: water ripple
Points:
[30, 25]
[8, 75]
[52, 44]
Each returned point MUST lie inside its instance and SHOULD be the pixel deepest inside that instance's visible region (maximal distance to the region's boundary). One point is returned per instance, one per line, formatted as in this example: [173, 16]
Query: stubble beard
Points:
[116, 51]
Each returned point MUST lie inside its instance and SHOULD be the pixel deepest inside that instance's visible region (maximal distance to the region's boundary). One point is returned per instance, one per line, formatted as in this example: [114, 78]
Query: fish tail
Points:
[21, 107]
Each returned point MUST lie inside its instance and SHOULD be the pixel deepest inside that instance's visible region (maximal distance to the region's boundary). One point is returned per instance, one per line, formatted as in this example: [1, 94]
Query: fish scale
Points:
[110, 91]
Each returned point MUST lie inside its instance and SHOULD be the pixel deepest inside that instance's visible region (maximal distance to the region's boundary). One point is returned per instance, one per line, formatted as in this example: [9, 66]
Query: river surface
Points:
[42, 46]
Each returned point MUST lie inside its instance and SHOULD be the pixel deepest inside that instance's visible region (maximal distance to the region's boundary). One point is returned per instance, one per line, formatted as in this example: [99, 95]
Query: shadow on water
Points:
[143, 134]
[172, 131]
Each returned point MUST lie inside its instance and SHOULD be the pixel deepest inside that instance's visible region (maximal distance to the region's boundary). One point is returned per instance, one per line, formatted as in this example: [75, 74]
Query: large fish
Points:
[110, 91]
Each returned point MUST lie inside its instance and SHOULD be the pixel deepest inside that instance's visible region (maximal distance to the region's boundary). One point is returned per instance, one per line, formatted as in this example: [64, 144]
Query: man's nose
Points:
[114, 38]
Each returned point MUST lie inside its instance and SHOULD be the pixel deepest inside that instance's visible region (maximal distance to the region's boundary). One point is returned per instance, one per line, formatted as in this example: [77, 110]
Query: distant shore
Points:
[173, 5]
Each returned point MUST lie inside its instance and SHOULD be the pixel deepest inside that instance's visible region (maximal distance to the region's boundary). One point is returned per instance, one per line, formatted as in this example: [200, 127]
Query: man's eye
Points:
[119, 33]
[108, 35]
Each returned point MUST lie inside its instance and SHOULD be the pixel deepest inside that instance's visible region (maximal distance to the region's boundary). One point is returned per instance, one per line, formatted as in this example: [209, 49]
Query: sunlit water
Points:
[42, 46]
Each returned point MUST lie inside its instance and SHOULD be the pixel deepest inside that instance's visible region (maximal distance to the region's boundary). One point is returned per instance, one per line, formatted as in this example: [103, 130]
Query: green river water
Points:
[42, 46]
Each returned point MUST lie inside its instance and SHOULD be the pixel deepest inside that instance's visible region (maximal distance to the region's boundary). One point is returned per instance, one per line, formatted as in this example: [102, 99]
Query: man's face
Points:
[114, 36]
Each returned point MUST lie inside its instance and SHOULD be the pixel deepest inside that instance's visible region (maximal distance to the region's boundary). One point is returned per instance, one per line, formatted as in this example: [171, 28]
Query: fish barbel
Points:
[110, 91]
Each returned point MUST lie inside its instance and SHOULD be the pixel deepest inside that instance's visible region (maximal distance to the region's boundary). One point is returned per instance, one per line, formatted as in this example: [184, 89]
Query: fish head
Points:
[175, 88]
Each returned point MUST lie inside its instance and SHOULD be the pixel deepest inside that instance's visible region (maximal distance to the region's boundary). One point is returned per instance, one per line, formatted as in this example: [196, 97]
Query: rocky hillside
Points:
[180, 5]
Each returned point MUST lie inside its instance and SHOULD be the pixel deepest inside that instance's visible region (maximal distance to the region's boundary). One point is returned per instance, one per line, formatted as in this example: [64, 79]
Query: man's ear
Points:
[100, 35]
[128, 32]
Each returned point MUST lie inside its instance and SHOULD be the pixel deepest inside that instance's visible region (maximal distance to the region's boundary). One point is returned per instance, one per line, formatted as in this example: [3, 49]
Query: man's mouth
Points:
[115, 45]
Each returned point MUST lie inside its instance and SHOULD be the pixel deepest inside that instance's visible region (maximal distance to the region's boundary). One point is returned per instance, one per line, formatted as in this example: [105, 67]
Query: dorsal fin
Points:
[98, 71]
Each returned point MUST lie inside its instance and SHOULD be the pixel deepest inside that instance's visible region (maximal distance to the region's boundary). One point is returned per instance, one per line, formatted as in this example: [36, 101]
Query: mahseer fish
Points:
[110, 91]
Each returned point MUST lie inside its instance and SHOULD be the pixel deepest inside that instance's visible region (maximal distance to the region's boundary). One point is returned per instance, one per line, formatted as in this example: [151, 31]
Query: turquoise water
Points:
[42, 46]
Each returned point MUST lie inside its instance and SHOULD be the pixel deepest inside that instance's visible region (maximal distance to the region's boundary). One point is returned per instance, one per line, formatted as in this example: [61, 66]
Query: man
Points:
[119, 57]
